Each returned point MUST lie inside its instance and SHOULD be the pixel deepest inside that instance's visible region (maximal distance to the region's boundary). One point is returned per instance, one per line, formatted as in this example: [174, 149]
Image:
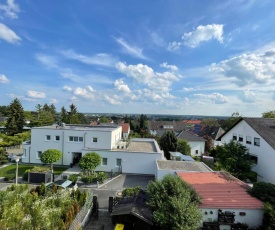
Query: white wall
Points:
[265, 153]
[253, 217]
[197, 146]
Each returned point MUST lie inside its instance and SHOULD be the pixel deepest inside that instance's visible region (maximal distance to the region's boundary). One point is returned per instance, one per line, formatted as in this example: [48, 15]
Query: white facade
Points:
[76, 141]
[263, 152]
[252, 217]
[197, 147]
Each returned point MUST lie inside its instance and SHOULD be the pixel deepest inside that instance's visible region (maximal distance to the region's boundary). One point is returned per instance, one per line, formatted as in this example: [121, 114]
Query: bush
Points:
[73, 178]
[131, 191]
[87, 179]
[101, 176]
[9, 177]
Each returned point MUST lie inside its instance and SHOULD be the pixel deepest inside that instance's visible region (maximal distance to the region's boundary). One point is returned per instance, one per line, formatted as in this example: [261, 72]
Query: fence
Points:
[82, 217]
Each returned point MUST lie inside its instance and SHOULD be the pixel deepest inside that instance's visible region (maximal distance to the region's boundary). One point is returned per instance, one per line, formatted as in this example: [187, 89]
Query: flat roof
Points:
[183, 166]
[141, 146]
[221, 190]
[106, 128]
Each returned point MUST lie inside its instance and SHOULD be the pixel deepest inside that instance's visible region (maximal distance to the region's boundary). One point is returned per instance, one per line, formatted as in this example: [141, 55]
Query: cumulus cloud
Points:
[10, 9]
[130, 49]
[102, 59]
[145, 74]
[172, 67]
[67, 88]
[247, 69]
[216, 98]
[8, 35]
[247, 96]
[202, 34]
[84, 93]
[3, 79]
[121, 86]
[174, 45]
[35, 94]
[53, 101]
[114, 100]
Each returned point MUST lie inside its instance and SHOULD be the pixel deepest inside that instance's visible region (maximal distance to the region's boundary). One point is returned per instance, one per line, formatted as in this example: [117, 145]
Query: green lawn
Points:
[23, 167]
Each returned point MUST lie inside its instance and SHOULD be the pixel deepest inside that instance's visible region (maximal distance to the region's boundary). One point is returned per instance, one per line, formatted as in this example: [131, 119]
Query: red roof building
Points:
[223, 193]
[125, 129]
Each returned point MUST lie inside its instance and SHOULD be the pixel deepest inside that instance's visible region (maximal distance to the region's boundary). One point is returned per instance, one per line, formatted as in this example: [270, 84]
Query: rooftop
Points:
[141, 146]
[190, 137]
[183, 166]
[220, 190]
[104, 128]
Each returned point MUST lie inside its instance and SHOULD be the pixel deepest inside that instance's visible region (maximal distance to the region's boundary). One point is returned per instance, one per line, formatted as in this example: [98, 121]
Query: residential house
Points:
[258, 135]
[125, 130]
[74, 141]
[225, 200]
[157, 128]
[196, 143]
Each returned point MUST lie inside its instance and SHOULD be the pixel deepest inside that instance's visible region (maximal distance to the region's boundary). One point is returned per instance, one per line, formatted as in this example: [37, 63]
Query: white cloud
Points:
[114, 100]
[174, 45]
[84, 93]
[130, 49]
[202, 34]
[35, 94]
[190, 89]
[102, 59]
[217, 98]
[172, 67]
[90, 88]
[68, 74]
[67, 88]
[8, 35]
[3, 79]
[121, 86]
[247, 96]
[248, 69]
[48, 61]
[10, 9]
[53, 101]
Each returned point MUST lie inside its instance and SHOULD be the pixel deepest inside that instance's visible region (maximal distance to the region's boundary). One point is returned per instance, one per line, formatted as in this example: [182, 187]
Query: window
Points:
[248, 140]
[94, 139]
[256, 141]
[75, 139]
[197, 151]
[240, 138]
[104, 161]
[48, 137]
[234, 136]
[39, 154]
[254, 159]
[57, 138]
[118, 162]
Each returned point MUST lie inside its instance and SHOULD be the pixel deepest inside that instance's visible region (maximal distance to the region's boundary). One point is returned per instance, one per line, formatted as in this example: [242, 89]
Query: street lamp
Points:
[16, 174]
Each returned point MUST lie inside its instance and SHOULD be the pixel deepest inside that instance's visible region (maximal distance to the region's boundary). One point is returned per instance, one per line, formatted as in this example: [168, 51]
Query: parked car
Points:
[63, 184]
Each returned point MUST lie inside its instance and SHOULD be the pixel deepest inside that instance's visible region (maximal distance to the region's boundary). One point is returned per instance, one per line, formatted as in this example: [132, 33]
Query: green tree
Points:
[183, 147]
[50, 156]
[90, 161]
[229, 122]
[73, 115]
[235, 158]
[174, 204]
[4, 110]
[64, 116]
[103, 120]
[168, 142]
[16, 119]
[210, 122]
[209, 145]
[269, 114]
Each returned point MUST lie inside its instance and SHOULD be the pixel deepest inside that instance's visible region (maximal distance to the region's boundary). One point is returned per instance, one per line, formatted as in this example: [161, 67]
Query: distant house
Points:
[164, 167]
[125, 130]
[196, 143]
[157, 128]
[225, 200]
[212, 131]
[258, 135]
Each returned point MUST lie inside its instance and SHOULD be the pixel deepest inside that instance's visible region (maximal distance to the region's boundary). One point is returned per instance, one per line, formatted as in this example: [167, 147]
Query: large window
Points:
[234, 137]
[256, 141]
[48, 137]
[75, 139]
[38, 154]
[104, 161]
[118, 162]
[240, 138]
[248, 140]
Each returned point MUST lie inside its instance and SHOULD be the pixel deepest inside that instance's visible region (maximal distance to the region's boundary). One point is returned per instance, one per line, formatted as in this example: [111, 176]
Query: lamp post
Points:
[16, 174]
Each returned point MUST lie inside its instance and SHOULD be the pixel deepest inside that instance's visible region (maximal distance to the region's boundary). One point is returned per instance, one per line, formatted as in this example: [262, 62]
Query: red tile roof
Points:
[220, 190]
[125, 127]
[193, 122]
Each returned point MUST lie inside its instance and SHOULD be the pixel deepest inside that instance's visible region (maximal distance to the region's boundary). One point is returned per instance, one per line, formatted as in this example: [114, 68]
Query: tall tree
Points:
[269, 114]
[174, 204]
[38, 109]
[64, 116]
[73, 115]
[16, 119]
[4, 110]
[168, 142]
[236, 159]
[183, 147]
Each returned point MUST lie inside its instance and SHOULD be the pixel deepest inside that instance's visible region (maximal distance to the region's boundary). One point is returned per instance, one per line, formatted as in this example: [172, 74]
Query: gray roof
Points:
[140, 146]
[183, 166]
[265, 127]
[189, 137]
[161, 125]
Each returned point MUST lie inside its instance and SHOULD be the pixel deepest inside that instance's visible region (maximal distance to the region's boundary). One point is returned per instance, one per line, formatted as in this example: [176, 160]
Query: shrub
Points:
[101, 176]
[131, 191]
[87, 179]
[9, 177]
[73, 178]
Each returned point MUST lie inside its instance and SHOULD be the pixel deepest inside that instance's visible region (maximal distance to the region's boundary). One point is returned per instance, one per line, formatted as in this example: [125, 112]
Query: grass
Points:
[10, 169]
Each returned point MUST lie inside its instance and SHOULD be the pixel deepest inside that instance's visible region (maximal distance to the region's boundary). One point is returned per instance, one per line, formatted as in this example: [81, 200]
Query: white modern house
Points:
[74, 141]
[258, 135]
[225, 200]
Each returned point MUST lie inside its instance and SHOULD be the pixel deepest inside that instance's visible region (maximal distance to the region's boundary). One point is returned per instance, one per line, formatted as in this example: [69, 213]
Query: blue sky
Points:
[167, 57]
